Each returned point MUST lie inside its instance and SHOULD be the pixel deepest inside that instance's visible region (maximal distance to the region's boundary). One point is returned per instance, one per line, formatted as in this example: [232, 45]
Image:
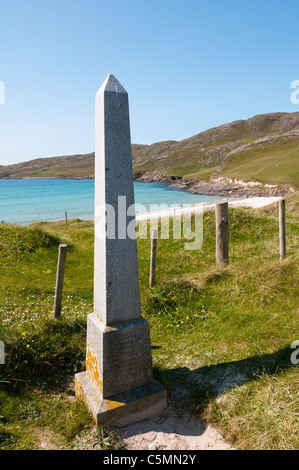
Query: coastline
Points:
[222, 187]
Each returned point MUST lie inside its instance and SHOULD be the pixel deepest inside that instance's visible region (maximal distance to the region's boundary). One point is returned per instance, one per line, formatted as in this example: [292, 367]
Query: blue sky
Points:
[187, 66]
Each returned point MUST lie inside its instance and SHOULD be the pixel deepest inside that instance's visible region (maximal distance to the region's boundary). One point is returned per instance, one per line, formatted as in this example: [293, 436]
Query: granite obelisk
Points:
[118, 385]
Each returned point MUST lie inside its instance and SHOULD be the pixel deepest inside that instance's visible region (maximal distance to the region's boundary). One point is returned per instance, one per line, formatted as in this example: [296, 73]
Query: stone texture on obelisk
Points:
[118, 383]
[116, 278]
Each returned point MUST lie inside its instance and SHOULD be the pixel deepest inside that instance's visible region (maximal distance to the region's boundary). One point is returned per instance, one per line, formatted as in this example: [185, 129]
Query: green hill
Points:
[264, 148]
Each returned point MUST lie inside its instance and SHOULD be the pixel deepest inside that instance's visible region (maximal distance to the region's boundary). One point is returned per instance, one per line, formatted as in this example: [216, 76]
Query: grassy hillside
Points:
[54, 167]
[221, 337]
[264, 148]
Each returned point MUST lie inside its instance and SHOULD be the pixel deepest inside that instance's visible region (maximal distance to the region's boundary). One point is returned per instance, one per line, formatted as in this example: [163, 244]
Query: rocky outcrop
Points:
[219, 187]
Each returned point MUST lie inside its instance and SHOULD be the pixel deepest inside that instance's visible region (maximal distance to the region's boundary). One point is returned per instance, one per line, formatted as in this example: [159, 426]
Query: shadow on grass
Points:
[195, 388]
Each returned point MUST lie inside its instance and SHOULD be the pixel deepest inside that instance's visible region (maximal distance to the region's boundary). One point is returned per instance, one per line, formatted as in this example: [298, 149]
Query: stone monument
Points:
[118, 385]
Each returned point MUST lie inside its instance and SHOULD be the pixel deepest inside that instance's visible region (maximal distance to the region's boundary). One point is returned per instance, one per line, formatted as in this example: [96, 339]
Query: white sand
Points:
[254, 203]
[173, 430]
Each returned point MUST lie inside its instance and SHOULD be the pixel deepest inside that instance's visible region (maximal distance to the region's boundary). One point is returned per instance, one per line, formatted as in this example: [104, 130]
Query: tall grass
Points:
[220, 336]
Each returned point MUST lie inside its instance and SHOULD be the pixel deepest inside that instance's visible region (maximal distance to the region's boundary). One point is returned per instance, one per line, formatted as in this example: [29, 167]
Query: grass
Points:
[221, 337]
[276, 162]
[267, 405]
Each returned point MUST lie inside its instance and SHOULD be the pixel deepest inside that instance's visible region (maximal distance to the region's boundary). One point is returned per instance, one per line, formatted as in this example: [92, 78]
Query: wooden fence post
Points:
[59, 279]
[152, 280]
[222, 233]
[282, 229]
[66, 223]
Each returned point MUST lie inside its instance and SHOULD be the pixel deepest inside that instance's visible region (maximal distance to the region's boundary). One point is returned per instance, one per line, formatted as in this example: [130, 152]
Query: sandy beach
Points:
[254, 203]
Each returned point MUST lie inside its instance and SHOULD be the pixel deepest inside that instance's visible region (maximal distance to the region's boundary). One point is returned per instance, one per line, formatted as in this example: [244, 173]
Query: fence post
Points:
[59, 279]
[2, 353]
[222, 233]
[66, 224]
[152, 280]
[282, 229]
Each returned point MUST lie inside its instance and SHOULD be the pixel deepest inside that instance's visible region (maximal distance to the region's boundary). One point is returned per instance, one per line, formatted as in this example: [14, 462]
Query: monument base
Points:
[124, 408]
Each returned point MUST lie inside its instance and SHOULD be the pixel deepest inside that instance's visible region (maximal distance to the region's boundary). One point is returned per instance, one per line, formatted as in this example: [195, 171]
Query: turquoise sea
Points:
[29, 200]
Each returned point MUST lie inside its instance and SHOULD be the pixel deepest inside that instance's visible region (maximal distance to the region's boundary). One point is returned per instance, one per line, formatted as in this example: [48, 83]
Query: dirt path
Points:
[171, 430]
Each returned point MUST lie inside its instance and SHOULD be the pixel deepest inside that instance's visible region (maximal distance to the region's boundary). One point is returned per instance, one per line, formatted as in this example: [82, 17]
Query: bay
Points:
[24, 201]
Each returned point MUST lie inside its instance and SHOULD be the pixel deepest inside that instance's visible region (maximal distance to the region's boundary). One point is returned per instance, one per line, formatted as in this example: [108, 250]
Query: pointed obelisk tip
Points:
[111, 84]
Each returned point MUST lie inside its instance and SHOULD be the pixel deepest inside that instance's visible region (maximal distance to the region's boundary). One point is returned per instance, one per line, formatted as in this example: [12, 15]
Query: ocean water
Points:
[25, 201]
